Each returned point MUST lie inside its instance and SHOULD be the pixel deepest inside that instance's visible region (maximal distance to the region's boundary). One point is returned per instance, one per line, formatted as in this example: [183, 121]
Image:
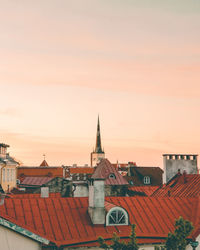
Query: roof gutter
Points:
[110, 238]
[23, 231]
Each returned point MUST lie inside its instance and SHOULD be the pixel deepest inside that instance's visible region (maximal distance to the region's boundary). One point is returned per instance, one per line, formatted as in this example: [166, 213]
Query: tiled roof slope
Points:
[103, 171]
[81, 170]
[29, 196]
[182, 185]
[35, 181]
[44, 164]
[143, 190]
[137, 174]
[65, 221]
[39, 171]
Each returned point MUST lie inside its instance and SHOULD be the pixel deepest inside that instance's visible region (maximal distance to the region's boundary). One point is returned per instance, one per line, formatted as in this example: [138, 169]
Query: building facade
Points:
[8, 169]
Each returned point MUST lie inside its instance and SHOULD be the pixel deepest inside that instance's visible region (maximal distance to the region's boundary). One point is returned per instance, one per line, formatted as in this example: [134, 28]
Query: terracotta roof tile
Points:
[35, 181]
[81, 170]
[44, 164]
[145, 190]
[39, 171]
[104, 169]
[65, 221]
[187, 185]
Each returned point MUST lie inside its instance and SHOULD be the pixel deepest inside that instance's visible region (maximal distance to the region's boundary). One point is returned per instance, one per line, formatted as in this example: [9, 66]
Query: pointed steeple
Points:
[98, 148]
[44, 163]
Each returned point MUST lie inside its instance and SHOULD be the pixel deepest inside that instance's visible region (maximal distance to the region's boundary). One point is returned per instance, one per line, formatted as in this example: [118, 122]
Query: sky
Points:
[135, 63]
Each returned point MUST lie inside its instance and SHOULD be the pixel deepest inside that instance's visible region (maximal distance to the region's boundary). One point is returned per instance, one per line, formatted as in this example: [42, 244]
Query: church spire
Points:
[98, 148]
[98, 154]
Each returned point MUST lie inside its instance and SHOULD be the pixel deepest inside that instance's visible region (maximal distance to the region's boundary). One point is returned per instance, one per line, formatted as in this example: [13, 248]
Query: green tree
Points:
[121, 245]
[178, 239]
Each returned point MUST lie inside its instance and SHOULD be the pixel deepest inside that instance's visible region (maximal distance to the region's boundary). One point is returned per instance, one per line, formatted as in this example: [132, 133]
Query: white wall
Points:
[10, 240]
[81, 191]
[198, 248]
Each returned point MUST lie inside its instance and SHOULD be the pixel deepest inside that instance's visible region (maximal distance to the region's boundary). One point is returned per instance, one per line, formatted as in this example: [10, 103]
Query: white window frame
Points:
[112, 176]
[147, 180]
[8, 174]
[117, 209]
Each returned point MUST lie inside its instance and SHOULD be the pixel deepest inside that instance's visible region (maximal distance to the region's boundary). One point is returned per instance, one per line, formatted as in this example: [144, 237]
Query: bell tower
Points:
[98, 154]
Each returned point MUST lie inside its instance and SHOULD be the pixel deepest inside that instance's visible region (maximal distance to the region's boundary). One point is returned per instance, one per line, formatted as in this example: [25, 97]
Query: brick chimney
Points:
[96, 207]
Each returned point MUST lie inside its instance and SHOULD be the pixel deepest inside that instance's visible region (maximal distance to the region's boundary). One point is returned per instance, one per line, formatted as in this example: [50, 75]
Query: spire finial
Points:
[44, 156]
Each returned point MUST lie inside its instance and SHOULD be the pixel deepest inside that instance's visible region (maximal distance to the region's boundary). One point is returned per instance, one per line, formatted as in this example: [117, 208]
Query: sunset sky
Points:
[136, 63]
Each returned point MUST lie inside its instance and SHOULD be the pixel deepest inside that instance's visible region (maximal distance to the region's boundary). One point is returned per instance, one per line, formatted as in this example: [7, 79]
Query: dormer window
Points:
[147, 180]
[117, 216]
[112, 176]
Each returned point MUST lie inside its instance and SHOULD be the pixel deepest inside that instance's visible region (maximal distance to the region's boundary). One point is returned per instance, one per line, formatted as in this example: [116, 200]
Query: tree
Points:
[178, 239]
[121, 245]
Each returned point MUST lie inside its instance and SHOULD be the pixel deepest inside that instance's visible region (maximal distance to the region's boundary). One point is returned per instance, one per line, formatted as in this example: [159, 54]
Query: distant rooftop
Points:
[4, 145]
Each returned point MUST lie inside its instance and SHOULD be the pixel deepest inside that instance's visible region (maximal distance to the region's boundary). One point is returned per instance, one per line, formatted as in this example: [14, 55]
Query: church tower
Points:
[98, 153]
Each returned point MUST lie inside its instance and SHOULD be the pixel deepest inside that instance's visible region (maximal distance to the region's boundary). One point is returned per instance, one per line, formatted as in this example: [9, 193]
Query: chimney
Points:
[96, 207]
[2, 198]
[44, 192]
[3, 150]
[184, 176]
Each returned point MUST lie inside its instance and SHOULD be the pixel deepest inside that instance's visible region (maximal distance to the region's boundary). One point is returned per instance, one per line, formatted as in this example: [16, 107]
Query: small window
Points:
[131, 182]
[117, 216]
[8, 174]
[112, 176]
[4, 174]
[147, 180]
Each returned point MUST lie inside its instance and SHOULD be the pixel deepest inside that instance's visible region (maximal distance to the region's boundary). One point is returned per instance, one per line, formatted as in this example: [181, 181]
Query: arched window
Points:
[117, 216]
[147, 180]
[112, 176]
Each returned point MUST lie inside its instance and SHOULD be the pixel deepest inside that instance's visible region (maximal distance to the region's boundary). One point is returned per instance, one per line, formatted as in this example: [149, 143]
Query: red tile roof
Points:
[65, 221]
[185, 185]
[145, 190]
[81, 170]
[103, 171]
[124, 165]
[137, 175]
[44, 164]
[39, 171]
[35, 181]
[29, 196]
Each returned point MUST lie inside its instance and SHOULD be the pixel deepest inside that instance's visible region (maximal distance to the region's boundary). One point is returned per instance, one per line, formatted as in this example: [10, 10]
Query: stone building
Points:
[55, 185]
[183, 162]
[8, 169]
[115, 183]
